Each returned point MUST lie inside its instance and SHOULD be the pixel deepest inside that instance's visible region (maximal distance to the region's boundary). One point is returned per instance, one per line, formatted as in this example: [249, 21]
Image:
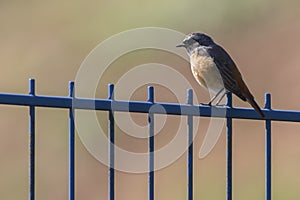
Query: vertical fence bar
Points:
[268, 150]
[151, 146]
[190, 149]
[71, 146]
[111, 151]
[32, 143]
[229, 150]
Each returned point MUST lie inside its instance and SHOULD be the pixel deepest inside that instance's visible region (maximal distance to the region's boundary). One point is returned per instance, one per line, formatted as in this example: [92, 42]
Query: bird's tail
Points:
[256, 107]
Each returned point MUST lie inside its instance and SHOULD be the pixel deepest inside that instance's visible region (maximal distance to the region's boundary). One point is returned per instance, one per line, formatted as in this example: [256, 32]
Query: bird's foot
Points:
[206, 104]
[209, 104]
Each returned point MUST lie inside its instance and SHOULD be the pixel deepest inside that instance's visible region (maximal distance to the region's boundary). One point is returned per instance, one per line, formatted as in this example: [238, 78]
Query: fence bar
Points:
[190, 150]
[268, 150]
[32, 142]
[143, 107]
[71, 146]
[229, 149]
[151, 145]
[111, 125]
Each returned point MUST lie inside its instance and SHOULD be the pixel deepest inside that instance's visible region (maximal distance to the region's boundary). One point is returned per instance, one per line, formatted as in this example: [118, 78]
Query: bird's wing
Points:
[230, 74]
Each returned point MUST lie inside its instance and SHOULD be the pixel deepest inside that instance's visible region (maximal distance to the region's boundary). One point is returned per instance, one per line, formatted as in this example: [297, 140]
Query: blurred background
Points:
[48, 40]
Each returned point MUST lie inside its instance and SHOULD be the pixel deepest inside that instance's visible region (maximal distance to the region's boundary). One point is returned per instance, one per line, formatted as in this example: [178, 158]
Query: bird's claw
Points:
[206, 104]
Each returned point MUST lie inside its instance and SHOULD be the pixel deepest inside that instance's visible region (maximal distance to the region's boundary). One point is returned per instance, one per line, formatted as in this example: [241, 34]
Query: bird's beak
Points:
[180, 45]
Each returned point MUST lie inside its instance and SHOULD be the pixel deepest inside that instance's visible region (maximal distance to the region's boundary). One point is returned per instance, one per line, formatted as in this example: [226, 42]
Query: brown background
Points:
[48, 40]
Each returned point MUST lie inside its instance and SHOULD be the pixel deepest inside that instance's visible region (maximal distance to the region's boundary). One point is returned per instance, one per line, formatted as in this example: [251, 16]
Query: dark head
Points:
[195, 40]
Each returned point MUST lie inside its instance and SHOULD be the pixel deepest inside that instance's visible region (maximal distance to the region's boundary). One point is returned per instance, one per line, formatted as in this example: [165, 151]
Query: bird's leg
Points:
[212, 99]
[219, 101]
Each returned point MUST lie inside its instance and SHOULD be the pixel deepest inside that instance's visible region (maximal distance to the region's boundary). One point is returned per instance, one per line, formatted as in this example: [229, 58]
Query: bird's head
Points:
[195, 40]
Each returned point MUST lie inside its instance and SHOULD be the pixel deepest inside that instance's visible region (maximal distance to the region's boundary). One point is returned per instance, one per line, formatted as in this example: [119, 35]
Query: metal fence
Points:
[70, 102]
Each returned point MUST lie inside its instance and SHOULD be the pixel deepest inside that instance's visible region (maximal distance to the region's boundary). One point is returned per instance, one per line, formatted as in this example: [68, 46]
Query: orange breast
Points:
[199, 76]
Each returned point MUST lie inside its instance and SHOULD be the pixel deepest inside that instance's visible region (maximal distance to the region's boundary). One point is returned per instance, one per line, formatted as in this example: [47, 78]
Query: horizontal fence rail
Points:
[151, 108]
[144, 107]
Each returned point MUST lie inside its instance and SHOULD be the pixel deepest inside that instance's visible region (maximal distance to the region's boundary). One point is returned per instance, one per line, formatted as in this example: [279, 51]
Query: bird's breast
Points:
[206, 72]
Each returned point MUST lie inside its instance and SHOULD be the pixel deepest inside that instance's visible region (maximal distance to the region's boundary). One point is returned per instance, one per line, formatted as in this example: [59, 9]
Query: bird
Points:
[215, 70]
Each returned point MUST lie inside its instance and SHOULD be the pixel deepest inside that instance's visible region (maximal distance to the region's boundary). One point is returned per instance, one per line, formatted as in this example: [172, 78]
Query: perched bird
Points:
[215, 70]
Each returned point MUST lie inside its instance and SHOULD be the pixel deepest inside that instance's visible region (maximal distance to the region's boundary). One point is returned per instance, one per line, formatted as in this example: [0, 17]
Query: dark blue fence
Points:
[71, 102]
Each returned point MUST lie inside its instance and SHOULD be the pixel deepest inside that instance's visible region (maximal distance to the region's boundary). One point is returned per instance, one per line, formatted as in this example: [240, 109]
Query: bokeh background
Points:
[48, 40]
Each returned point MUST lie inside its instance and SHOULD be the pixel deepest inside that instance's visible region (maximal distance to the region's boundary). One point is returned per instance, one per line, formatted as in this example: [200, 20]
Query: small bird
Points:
[214, 69]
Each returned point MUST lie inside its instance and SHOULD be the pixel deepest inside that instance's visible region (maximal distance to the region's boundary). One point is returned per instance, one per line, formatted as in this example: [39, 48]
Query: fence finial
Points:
[229, 99]
[190, 96]
[71, 89]
[150, 94]
[111, 91]
[31, 86]
[267, 101]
